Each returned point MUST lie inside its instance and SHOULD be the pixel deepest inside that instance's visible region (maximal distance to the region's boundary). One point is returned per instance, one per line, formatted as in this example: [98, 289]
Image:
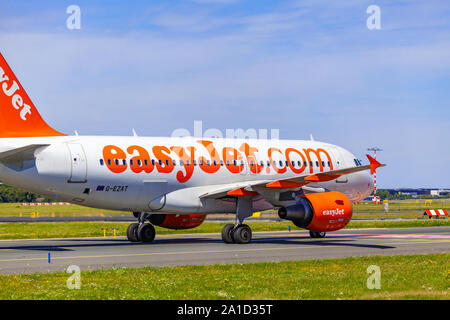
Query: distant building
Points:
[439, 192]
[413, 192]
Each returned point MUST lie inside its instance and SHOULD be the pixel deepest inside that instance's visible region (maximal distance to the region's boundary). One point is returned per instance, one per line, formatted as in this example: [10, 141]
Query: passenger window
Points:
[139, 162]
[109, 161]
[117, 162]
[317, 164]
[131, 162]
[124, 162]
[160, 162]
[102, 162]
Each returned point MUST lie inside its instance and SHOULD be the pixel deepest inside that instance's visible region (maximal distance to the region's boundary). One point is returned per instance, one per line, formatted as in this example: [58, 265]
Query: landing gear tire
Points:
[242, 234]
[316, 234]
[227, 233]
[132, 234]
[146, 232]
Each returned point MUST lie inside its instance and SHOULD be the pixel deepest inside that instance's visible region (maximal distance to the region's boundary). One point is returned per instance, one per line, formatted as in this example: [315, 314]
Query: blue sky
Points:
[298, 66]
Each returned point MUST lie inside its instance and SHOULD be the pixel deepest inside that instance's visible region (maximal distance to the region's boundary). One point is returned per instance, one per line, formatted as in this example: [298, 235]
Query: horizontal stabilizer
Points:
[374, 164]
[21, 154]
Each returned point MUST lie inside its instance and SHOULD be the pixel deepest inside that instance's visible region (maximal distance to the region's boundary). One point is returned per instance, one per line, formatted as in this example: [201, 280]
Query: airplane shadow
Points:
[63, 245]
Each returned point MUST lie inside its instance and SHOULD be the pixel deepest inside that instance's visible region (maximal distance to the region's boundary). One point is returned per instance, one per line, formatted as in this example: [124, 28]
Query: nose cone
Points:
[367, 184]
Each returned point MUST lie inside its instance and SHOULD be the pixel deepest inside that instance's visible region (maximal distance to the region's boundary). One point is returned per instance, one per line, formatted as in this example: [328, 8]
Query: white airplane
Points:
[175, 182]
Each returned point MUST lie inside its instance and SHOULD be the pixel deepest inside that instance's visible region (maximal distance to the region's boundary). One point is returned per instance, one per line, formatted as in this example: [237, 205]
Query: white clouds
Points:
[279, 69]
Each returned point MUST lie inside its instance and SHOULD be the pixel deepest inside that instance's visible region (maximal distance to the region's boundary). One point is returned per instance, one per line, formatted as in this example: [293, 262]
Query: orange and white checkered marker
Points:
[433, 213]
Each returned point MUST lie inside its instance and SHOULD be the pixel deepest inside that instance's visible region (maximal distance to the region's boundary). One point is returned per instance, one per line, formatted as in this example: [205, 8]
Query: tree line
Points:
[11, 194]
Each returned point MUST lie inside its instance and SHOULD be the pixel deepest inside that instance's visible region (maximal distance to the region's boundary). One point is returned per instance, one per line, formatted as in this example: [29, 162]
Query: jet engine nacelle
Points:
[177, 221]
[321, 212]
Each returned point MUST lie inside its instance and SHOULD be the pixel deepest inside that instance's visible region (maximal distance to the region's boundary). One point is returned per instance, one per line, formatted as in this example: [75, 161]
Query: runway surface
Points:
[29, 256]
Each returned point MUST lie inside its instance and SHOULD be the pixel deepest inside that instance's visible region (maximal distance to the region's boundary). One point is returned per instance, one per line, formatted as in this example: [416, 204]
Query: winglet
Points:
[374, 164]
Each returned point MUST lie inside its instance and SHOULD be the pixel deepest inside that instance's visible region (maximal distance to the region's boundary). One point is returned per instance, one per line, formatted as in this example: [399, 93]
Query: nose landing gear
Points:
[142, 231]
[316, 234]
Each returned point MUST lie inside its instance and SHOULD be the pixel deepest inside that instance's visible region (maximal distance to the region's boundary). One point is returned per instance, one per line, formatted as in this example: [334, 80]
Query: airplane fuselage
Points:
[171, 174]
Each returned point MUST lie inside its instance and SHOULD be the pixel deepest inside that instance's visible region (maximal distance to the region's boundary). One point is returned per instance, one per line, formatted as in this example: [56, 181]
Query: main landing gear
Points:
[142, 231]
[239, 233]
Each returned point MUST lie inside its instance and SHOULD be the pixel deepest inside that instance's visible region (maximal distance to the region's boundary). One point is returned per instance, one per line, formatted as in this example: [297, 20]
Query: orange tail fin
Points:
[18, 116]
[374, 164]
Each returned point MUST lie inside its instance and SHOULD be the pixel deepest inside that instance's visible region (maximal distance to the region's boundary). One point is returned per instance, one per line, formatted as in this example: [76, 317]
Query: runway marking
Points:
[405, 241]
[387, 240]
[364, 236]
[158, 253]
[197, 252]
[414, 242]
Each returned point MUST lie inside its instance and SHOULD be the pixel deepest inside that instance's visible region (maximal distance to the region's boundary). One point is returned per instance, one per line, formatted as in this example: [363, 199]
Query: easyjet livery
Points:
[175, 182]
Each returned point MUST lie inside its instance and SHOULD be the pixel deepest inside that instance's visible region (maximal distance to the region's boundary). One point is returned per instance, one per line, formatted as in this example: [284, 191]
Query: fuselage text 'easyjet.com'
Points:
[229, 157]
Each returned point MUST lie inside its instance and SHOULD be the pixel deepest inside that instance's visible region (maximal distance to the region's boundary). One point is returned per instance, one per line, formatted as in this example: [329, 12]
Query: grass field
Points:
[41, 230]
[402, 277]
[71, 210]
[365, 209]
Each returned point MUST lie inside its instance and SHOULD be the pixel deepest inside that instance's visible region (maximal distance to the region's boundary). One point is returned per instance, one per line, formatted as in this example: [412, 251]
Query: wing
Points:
[248, 188]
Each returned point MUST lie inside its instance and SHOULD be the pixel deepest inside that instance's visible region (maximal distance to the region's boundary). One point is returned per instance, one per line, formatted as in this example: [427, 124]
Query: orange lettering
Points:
[187, 162]
[114, 157]
[213, 165]
[164, 163]
[230, 157]
[295, 170]
[251, 158]
[317, 153]
[278, 170]
[140, 162]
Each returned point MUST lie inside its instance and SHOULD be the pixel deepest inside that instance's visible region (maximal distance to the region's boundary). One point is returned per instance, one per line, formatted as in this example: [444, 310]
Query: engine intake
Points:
[321, 212]
[301, 214]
